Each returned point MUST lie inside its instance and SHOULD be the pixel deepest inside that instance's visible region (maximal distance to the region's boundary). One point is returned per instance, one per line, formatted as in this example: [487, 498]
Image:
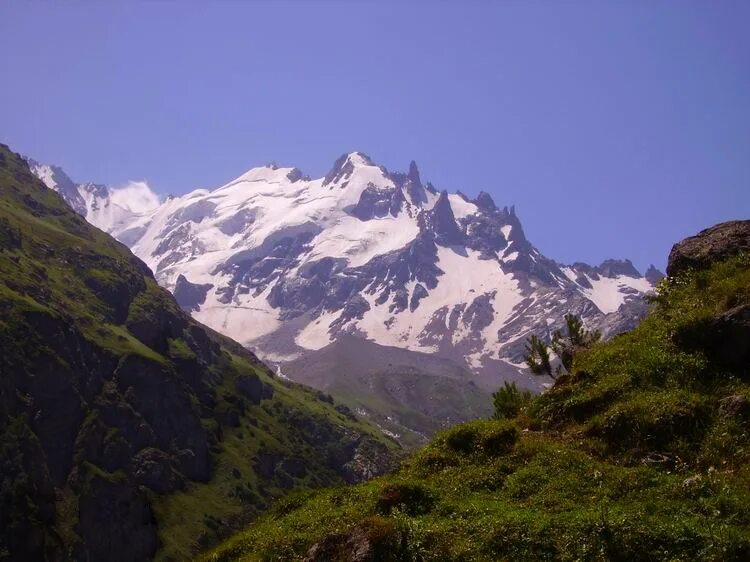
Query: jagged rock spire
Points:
[484, 201]
[653, 275]
[414, 185]
[442, 222]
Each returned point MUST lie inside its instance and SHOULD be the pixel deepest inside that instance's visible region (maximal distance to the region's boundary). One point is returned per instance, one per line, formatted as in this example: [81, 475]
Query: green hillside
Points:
[641, 454]
[128, 430]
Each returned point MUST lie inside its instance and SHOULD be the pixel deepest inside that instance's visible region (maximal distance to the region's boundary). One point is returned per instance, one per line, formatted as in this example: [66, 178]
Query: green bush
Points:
[509, 400]
[485, 437]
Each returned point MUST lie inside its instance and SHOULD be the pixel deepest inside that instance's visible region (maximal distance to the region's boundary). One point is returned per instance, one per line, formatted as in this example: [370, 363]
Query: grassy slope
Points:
[57, 267]
[203, 508]
[629, 459]
[407, 393]
[376, 397]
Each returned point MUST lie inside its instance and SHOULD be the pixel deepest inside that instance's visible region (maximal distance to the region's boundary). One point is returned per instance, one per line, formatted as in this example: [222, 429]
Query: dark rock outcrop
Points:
[442, 223]
[713, 244]
[613, 268]
[418, 294]
[343, 168]
[414, 185]
[484, 202]
[378, 202]
[725, 338]
[653, 275]
[115, 521]
[190, 296]
[374, 540]
[252, 388]
[157, 470]
[736, 406]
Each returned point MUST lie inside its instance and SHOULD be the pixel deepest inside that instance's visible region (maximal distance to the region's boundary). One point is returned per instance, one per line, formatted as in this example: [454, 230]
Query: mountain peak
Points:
[414, 186]
[614, 268]
[653, 275]
[414, 173]
[442, 221]
[345, 164]
[55, 178]
[484, 201]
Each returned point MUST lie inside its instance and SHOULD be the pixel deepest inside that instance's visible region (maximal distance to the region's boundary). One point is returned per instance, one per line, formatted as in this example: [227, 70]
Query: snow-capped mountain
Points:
[112, 210]
[287, 264]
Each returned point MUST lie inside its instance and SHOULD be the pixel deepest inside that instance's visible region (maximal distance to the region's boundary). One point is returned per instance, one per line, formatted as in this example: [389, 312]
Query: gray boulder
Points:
[713, 244]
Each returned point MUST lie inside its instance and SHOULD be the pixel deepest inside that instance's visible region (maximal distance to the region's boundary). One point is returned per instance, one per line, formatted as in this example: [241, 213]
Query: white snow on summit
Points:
[284, 263]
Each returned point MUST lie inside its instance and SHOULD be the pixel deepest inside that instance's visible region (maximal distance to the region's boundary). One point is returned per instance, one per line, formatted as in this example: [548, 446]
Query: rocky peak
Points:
[414, 174]
[442, 222]
[377, 202]
[344, 166]
[414, 185]
[56, 179]
[484, 201]
[614, 268]
[295, 174]
[96, 189]
[653, 275]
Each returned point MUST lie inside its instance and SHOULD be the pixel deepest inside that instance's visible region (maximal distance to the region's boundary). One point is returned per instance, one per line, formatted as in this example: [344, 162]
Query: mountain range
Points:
[300, 269]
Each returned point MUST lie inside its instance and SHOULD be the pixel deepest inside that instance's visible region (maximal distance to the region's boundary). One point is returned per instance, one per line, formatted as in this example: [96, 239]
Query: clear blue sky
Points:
[615, 127]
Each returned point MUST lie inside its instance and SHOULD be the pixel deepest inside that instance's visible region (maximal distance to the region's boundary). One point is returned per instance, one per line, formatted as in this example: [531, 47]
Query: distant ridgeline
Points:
[128, 429]
[639, 453]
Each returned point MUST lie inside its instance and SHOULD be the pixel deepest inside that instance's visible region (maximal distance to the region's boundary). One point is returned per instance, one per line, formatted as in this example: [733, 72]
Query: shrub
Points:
[509, 400]
[487, 437]
[412, 499]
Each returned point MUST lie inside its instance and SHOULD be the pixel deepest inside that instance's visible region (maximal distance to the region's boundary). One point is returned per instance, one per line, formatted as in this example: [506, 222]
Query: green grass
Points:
[629, 458]
[76, 306]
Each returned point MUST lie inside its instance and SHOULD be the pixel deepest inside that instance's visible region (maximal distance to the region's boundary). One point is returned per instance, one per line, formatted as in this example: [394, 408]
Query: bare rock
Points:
[735, 406]
[713, 244]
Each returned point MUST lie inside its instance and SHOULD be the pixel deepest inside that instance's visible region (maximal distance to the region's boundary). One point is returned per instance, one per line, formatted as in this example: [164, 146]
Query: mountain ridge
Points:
[287, 265]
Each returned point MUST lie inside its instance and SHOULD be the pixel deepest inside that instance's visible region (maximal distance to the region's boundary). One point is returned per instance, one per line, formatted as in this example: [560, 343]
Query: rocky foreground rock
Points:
[713, 244]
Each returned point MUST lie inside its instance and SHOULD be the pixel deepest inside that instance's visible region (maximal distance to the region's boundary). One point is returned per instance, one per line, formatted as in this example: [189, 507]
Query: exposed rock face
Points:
[484, 201]
[190, 296]
[55, 178]
[735, 406]
[378, 202]
[613, 268]
[374, 540]
[354, 546]
[725, 338]
[710, 245]
[653, 275]
[441, 222]
[252, 388]
[414, 185]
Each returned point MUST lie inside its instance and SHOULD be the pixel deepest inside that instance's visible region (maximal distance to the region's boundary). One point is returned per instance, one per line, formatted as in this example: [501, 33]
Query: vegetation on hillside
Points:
[639, 452]
[128, 430]
[564, 345]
